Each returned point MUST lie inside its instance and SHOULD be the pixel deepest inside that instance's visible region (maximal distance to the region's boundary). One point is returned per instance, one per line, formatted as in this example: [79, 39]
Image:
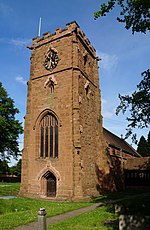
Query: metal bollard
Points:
[42, 219]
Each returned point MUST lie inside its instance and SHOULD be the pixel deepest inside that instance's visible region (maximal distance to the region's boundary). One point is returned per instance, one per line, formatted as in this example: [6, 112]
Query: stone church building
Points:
[65, 155]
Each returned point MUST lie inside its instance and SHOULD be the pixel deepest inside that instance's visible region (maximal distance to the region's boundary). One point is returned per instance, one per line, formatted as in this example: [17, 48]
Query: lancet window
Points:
[49, 136]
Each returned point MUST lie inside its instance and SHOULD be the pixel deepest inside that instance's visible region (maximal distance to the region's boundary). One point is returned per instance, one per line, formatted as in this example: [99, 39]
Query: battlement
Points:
[63, 128]
[59, 32]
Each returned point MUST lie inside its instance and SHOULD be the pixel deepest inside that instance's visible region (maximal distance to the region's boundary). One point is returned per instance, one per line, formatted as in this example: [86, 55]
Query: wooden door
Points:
[51, 185]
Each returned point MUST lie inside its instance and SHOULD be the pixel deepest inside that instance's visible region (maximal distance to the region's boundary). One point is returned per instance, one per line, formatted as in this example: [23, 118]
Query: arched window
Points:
[49, 136]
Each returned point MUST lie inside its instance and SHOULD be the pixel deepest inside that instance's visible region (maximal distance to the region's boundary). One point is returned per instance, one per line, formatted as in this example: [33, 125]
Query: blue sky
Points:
[124, 56]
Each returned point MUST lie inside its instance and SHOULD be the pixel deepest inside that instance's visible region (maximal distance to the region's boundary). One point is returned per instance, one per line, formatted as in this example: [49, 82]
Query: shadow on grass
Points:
[135, 202]
[111, 224]
[129, 193]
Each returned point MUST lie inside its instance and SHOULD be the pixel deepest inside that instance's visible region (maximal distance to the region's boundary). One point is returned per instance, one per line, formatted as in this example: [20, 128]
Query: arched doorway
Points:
[49, 182]
[51, 185]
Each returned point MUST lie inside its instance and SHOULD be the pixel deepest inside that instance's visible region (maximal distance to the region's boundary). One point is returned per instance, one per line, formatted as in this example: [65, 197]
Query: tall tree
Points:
[138, 104]
[148, 141]
[4, 168]
[16, 169]
[10, 127]
[148, 138]
[143, 148]
[134, 13]
[136, 16]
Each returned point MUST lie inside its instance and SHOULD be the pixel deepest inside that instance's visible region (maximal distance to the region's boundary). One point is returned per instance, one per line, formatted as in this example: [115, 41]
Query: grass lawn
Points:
[19, 210]
[136, 201]
[9, 189]
[98, 219]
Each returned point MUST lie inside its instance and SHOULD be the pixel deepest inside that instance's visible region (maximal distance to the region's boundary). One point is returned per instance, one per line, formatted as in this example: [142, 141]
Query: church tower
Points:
[63, 122]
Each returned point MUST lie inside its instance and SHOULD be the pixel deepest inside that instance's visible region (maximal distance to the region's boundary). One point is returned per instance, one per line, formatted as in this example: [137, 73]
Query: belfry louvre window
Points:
[49, 136]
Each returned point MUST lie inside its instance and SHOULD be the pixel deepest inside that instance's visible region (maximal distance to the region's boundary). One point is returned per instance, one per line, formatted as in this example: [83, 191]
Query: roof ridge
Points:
[114, 136]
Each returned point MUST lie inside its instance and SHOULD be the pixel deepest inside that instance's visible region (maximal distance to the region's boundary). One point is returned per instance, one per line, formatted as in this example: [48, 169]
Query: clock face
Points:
[51, 59]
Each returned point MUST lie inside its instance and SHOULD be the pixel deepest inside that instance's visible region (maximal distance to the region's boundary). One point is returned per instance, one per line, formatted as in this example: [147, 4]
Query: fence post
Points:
[42, 219]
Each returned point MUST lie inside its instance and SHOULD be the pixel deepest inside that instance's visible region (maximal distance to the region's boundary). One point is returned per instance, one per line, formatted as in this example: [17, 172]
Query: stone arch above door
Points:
[49, 179]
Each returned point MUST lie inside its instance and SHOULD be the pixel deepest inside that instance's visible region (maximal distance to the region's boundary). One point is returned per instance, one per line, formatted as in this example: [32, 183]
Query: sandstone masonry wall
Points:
[75, 102]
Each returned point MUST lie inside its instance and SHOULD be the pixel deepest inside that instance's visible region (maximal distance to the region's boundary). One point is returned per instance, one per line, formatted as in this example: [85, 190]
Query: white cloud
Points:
[104, 101]
[109, 62]
[19, 42]
[108, 111]
[108, 114]
[21, 80]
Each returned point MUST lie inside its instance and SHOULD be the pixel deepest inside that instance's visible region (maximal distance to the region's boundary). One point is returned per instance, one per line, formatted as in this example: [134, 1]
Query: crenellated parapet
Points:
[63, 124]
[70, 28]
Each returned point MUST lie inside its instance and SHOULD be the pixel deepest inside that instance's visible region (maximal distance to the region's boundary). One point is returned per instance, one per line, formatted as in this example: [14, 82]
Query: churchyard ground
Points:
[19, 210]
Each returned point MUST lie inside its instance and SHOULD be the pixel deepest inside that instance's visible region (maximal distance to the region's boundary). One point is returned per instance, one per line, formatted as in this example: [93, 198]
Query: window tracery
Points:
[49, 136]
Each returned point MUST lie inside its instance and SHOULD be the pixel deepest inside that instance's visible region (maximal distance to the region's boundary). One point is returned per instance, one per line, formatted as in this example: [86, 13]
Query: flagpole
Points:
[39, 31]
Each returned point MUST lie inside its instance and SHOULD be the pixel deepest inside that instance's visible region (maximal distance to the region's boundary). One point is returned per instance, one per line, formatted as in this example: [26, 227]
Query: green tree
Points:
[143, 148]
[16, 169]
[148, 138]
[138, 104]
[10, 127]
[134, 13]
[148, 141]
[4, 168]
[136, 16]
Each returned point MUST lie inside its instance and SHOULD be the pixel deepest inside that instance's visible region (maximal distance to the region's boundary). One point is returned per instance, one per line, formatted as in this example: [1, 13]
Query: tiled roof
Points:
[138, 164]
[119, 143]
